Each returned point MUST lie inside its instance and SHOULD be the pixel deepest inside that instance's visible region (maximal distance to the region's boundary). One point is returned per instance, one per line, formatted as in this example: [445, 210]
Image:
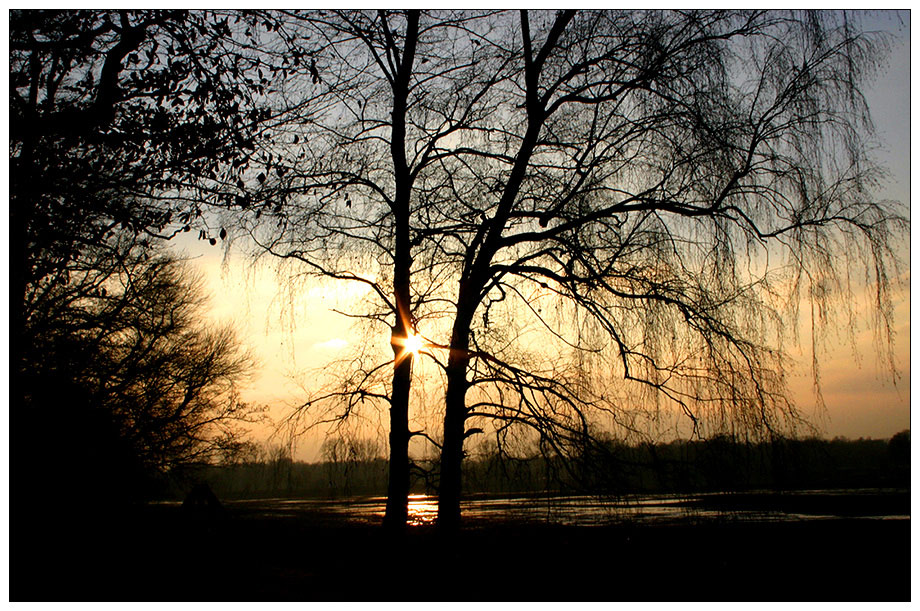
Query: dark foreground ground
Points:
[161, 553]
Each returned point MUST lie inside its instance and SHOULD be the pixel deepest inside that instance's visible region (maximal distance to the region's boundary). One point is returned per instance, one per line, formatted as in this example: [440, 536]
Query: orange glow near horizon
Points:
[295, 333]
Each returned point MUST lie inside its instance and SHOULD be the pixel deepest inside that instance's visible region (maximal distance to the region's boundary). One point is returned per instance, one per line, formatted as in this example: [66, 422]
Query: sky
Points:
[293, 333]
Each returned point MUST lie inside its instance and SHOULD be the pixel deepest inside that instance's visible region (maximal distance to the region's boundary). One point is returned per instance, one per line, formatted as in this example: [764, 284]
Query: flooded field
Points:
[603, 511]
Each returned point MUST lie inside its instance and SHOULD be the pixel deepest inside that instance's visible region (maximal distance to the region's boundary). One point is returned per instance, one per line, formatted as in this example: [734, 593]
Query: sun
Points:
[414, 343]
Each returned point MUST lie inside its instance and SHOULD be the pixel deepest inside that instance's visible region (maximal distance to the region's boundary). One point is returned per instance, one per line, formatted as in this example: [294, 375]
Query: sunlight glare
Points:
[414, 343]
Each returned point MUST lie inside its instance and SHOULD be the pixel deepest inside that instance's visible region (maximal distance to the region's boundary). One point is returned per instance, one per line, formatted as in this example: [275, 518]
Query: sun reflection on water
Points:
[423, 509]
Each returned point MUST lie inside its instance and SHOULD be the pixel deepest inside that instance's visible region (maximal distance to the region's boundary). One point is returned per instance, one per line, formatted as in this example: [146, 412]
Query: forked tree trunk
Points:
[470, 295]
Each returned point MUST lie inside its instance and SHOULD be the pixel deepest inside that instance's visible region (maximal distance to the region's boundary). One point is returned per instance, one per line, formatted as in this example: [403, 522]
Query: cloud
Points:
[336, 343]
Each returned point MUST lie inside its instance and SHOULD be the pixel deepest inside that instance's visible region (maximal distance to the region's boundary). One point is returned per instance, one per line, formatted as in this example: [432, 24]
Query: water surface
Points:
[600, 511]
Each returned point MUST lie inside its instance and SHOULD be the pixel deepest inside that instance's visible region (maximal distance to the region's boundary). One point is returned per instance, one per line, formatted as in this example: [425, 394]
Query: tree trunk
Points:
[397, 509]
[449, 490]
[452, 451]
[398, 483]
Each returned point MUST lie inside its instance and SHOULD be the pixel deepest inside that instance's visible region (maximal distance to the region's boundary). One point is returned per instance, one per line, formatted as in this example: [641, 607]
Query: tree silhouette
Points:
[123, 123]
[591, 217]
[340, 181]
[650, 170]
[656, 191]
[119, 120]
[124, 384]
[126, 378]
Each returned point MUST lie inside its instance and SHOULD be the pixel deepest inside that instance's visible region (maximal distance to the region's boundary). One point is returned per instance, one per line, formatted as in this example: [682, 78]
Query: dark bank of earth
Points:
[160, 553]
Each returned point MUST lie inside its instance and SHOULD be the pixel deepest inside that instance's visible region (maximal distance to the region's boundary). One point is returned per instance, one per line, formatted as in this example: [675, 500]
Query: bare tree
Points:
[652, 189]
[651, 168]
[131, 334]
[337, 196]
[124, 379]
[123, 120]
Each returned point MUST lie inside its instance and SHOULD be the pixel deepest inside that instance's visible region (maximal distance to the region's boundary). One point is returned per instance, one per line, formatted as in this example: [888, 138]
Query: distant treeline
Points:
[717, 464]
